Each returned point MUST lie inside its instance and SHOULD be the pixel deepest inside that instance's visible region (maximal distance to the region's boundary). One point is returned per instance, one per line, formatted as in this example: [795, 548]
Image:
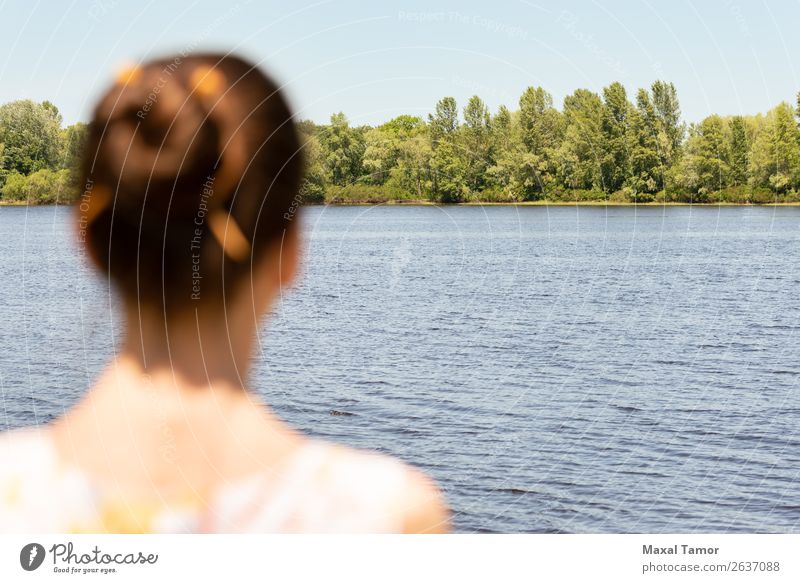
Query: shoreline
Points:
[550, 203]
[412, 202]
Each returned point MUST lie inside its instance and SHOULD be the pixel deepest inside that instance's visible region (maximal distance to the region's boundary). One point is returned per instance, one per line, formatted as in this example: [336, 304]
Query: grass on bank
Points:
[740, 195]
[58, 187]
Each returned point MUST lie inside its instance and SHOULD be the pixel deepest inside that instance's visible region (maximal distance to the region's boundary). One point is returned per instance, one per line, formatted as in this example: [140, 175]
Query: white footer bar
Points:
[380, 559]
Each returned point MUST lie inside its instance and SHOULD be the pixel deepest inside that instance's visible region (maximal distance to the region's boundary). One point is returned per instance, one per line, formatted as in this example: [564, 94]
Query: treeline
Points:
[595, 148]
[38, 157]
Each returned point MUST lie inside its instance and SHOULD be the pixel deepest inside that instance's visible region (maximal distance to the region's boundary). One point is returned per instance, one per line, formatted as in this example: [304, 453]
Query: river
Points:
[556, 369]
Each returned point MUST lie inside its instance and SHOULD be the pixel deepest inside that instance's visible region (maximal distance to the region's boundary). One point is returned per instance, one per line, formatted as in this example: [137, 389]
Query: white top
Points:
[323, 488]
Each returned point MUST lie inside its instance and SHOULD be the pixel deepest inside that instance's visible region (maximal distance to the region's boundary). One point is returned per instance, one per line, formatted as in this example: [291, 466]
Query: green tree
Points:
[775, 156]
[443, 122]
[797, 110]
[44, 186]
[380, 155]
[500, 129]
[412, 155]
[539, 120]
[738, 149]
[403, 125]
[616, 159]
[50, 108]
[671, 129]
[413, 172]
[73, 139]
[476, 143]
[344, 150]
[706, 161]
[312, 188]
[647, 169]
[384, 146]
[581, 151]
[506, 146]
[541, 132]
[15, 187]
[31, 134]
[449, 173]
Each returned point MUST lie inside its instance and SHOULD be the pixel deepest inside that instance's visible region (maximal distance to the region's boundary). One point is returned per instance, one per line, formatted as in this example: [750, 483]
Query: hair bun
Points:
[193, 168]
[158, 138]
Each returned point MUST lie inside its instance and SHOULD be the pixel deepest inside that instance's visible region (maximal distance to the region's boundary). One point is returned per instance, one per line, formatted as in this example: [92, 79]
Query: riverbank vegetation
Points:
[596, 148]
[38, 157]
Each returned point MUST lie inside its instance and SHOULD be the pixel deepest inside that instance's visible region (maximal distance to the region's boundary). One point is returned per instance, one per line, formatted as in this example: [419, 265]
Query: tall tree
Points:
[384, 146]
[501, 129]
[775, 155]
[539, 120]
[344, 150]
[797, 110]
[581, 151]
[444, 121]
[541, 131]
[312, 188]
[616, 159]
[706, 161]
[414, 170]
[647, 170]
[507, 149]
[50, 108]
[73, 139]
[447, 163]
[668, 112]
[738, 150]
[476, 143]
[380, 155]
[412, 155]
[31, 134]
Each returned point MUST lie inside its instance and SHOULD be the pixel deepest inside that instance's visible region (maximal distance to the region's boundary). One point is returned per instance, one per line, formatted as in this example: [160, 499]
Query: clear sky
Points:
[375, 60]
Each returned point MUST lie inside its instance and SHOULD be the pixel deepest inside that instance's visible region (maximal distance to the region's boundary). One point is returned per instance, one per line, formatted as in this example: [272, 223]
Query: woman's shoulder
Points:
[320, 487]
[22, 451]
[34, 488]
[419, 501]
[326, 487]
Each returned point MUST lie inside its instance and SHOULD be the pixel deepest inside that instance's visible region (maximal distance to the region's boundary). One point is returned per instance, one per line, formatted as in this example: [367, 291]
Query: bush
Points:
[619, 196]
[763, 196]
[495, 195]
[780, 182]
[744, 195]
[637, 196]
[312, 192]
[364, 194]
[15, 188]
[41, 187]
[586, 196]
[791, 196]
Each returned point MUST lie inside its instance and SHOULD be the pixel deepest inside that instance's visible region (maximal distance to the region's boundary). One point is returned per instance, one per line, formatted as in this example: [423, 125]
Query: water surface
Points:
[556, 369]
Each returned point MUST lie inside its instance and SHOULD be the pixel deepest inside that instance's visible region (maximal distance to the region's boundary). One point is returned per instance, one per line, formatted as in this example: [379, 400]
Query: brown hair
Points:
[192, 167]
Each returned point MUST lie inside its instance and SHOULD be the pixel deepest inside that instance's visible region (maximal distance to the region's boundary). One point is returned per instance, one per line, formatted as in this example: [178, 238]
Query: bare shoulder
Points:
[415, 498]
[427, 511]
[23, 446]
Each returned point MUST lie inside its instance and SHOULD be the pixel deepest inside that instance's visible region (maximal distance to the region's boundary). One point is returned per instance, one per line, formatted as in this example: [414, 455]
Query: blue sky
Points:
[377, 60]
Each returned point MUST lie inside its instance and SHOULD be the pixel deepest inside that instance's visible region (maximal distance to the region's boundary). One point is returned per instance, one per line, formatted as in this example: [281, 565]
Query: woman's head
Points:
[191, 179]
